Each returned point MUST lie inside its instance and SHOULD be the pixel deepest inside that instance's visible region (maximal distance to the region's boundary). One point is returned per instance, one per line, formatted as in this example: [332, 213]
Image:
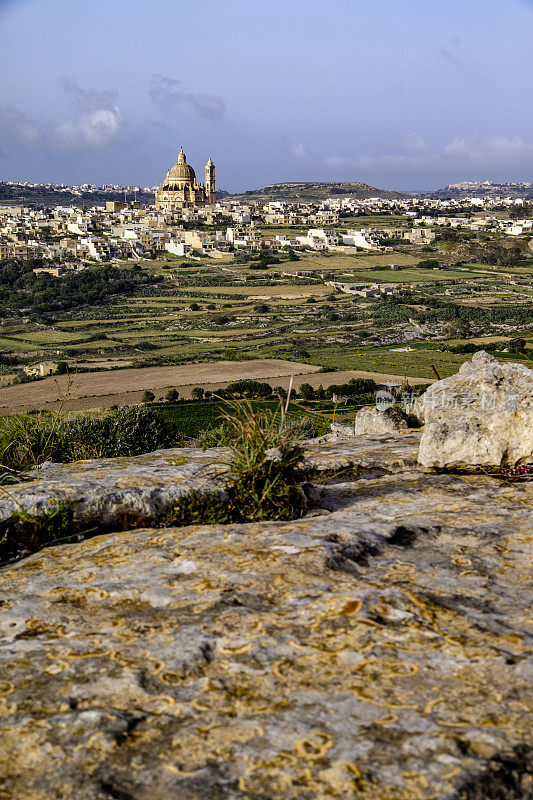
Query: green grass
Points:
[192, 418]
[416, 364]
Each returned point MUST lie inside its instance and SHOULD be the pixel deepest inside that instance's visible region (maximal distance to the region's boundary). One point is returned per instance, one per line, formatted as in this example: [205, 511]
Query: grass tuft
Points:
[265, 479]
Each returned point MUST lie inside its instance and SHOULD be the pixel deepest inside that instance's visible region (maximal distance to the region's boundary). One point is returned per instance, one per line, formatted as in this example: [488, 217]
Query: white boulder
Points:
[482, 416]
[371, 419]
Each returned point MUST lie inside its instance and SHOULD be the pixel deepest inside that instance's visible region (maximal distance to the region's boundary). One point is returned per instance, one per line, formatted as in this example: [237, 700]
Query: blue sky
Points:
[407, 94]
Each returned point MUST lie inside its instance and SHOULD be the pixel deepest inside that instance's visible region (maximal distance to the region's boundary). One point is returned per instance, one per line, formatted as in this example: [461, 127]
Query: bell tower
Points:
[210, 183]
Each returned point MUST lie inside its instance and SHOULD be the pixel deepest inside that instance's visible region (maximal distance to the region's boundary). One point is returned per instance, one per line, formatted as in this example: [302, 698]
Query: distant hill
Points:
[485, 189]
[301, 192]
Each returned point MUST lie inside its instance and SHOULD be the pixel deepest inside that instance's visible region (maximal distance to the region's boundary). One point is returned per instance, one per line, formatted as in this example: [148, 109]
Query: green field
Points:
[242, 313]
[195, 417]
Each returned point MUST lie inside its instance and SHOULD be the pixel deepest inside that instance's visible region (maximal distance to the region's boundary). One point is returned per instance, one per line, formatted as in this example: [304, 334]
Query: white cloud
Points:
[498, 149]
[97, 123]
[414, 143]
[299, 150]
[91, 131]
[487, 156]
[339, 162]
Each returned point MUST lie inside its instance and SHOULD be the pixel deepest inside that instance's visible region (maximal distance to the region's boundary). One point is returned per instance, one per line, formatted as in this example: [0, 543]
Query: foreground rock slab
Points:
[379, 651]
[108, 491]
[100, 491]
[482, 416]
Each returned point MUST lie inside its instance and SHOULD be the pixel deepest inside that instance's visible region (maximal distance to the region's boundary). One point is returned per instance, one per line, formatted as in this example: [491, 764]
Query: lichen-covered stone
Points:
[106, 491]
[379, 651]
[375, 420]
[482, 416]
[100, 491]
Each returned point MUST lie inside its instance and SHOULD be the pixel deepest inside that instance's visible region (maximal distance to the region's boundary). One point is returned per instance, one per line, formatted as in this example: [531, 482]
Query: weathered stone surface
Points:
[102, 490]
[483, 415]
[342, 429]
[374, 420]
[379, 651]
[366, 452]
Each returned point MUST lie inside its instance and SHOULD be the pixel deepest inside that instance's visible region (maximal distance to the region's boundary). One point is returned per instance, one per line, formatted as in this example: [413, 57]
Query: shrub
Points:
[517, 345]
[247, 387]
[148, 396]
[172, 395]
[265, 479]
[27, 441]
[198, 393]
[456, 328]
[307, 391]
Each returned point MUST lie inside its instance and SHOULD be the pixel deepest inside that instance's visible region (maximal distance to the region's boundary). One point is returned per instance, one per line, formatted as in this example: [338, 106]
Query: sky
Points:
[403, 94]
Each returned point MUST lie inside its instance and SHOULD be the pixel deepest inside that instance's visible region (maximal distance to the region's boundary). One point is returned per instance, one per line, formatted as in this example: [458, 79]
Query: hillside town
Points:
[188, 220]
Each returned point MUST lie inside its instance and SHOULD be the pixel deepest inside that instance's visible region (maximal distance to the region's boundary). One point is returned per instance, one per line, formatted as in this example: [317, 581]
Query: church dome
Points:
[181, 172]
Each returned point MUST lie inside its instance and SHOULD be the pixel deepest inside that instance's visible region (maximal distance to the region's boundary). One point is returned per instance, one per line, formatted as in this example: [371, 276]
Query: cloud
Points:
[86, 100]
[166, 92]
[485, 157]
[97, 123]
[299, 150]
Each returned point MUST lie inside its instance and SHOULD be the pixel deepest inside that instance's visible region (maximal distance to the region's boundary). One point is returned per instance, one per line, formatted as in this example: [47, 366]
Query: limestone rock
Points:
[341, 430]
[99, 490]
[378, 652]
[374, 420]
[102, 491]
[482, 416]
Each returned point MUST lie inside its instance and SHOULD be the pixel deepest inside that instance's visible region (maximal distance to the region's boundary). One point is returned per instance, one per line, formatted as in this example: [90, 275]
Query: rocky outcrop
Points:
[99, 491]
[374, 420]
[378, 650]
[482, 416]
[122, 493]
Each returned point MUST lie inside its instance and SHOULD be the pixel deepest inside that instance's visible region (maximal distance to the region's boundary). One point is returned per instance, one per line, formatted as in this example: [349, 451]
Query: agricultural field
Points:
[204, 322]
[121, 387]
[193, 418]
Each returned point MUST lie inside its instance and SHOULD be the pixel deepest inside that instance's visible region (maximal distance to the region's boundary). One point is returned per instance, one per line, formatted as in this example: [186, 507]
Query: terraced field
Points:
[230, 313]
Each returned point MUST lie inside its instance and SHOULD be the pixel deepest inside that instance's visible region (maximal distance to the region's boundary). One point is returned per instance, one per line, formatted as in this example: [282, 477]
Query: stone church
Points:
[180, 190]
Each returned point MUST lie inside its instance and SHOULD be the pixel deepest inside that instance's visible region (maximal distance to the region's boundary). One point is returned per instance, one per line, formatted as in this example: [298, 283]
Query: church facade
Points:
[180, 189]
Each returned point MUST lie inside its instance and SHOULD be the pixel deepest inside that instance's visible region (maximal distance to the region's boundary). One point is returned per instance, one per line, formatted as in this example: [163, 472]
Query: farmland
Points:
[207, 322]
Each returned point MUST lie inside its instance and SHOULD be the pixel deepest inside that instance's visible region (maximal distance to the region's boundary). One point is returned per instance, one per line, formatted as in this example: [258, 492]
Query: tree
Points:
[148, 396]
[198, 393]
[456, 328]
[517, 345]
[172, 395]
[307, 391]
[292, 255]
